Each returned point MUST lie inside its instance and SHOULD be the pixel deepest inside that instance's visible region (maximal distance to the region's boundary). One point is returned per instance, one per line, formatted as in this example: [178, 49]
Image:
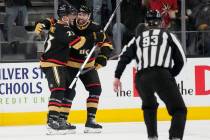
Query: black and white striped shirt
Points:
[153, 47]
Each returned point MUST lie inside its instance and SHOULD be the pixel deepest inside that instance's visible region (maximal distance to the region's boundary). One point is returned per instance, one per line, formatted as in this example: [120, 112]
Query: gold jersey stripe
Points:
[80, 44]
[78, 65]
[107, 45]
[48, 64]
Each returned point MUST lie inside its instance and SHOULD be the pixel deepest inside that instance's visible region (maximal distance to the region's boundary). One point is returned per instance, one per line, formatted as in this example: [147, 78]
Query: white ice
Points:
[195, 130]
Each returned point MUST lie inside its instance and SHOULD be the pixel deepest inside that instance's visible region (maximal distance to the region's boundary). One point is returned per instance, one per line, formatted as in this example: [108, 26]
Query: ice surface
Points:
[195, 130]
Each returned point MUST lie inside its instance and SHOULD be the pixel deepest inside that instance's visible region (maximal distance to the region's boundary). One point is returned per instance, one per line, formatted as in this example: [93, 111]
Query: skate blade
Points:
[60, 132]
[54, 132]
[73, 131]
[92, 130]
[51, 131]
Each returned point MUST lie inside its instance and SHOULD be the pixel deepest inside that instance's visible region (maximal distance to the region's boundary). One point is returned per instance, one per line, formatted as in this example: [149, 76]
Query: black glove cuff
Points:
[102, 60]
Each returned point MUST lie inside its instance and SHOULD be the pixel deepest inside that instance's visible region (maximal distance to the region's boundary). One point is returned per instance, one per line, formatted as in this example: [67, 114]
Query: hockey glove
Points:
[99, 37]
[100, 62]
[39, 28]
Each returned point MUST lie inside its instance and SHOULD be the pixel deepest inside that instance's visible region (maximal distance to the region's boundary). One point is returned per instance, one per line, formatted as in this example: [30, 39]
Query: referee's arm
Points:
[128, 53]
[178, 56]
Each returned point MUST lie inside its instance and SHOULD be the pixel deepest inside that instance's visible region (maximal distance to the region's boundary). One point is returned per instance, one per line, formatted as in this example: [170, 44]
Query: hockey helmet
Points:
[84, 9]
[153, 18]
[66, 9]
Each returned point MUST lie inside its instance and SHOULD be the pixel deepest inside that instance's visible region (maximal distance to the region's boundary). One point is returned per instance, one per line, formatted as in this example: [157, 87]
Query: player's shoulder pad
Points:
[95, 27]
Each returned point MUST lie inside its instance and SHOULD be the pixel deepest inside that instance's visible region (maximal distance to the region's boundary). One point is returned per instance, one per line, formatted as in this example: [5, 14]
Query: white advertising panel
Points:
[23, 87]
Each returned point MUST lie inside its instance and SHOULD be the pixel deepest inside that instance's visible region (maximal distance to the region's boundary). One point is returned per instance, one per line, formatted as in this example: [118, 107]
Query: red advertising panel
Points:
[201, 80]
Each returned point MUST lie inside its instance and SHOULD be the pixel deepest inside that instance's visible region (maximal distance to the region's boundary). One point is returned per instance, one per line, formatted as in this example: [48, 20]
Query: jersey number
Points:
[49, 43]
[150, 41]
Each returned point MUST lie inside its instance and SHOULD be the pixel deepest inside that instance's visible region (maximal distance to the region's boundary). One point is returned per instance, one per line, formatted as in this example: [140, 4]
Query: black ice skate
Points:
[66, 127]
[53, 127]
[92, 127]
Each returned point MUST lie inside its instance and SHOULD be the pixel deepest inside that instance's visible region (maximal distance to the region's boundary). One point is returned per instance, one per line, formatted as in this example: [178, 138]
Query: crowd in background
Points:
[132, 15]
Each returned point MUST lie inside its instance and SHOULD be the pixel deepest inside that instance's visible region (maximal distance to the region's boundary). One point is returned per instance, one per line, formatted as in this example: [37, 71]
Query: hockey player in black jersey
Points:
[60, 40]
[159, 57]
[83, 26]
[91, 81]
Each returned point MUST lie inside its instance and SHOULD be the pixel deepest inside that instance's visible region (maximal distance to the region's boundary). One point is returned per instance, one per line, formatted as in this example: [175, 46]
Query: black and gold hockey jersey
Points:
[77, 57]
[59, 41]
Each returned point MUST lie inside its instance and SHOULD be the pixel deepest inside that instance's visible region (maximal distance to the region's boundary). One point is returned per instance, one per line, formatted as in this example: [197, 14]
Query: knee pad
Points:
[94, 90]
[57, 94]
[70, 94]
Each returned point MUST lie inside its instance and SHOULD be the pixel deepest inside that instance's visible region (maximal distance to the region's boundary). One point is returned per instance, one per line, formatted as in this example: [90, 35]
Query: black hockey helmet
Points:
[153, 18]
[85, 9]
[66, 9]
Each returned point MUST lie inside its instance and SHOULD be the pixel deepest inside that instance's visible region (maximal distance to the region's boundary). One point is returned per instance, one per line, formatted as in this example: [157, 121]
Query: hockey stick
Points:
[94, 47]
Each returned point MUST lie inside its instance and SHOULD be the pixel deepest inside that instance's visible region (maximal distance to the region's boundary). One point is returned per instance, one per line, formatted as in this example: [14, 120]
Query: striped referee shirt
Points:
[152, 48]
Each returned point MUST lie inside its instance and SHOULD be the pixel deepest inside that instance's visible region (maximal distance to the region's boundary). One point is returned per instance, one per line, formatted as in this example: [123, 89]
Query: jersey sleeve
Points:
[106, 48]
[178, 55]
[128, 53]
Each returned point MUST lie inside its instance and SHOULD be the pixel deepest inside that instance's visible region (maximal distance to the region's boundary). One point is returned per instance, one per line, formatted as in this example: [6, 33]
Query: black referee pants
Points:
[159, 80]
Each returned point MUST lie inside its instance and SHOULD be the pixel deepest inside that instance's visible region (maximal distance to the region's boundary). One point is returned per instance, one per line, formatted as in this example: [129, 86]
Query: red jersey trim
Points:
[80, 60]
[54, 61]
[55, 89]
[93, 85]
[74, 41]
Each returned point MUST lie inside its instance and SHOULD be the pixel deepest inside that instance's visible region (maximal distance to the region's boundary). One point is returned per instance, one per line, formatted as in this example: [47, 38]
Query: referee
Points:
[159, 57]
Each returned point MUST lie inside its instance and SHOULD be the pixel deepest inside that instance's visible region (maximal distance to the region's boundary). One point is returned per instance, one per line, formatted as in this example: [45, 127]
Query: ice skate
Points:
[66, 127]
[92, 127]
[53, 128]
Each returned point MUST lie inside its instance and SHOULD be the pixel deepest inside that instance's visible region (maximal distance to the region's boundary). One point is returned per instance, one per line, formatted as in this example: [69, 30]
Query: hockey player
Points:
[159, 57]
[53, 63]
[85, 27]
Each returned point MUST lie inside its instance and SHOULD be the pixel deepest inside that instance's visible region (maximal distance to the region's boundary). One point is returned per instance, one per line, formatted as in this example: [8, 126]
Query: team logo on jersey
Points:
[84, 52]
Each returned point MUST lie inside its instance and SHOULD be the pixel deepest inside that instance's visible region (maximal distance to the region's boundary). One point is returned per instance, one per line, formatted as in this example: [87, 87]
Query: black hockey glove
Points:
[100, 62]
[99, 37]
